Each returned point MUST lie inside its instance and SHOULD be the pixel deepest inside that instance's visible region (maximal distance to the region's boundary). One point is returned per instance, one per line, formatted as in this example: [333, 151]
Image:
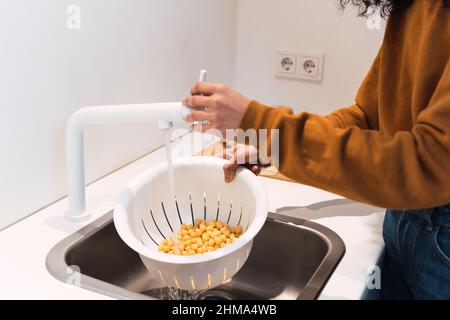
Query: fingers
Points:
[229, 170]
[246, 154]
[240, 154]
[202, 127]
[229, 153]
[256, 169]
[197, 101]
[206, 89]
[198, 116]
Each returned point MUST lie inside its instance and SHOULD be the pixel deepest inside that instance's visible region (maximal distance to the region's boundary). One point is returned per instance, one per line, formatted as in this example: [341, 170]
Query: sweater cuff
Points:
[255, 116]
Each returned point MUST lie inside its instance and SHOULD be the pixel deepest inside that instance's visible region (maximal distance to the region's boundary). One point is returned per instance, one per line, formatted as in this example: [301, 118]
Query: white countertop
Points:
[25, 245]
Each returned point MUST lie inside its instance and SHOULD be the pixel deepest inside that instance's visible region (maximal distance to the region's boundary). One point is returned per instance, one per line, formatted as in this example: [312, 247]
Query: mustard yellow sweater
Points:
[392, 147]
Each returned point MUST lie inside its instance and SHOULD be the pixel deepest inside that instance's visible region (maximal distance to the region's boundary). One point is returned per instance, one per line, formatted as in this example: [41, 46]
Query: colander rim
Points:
[126, 233]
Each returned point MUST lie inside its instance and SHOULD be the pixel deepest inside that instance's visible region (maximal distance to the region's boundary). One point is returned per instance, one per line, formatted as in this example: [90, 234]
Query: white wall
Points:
[146, 51]
[265, 26]
[126, 52]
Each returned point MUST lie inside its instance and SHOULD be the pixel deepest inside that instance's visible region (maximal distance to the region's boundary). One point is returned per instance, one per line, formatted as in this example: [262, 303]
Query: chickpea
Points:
[200, 238]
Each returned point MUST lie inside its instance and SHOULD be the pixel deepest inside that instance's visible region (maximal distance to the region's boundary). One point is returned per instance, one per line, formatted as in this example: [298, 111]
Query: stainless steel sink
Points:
[291, 259]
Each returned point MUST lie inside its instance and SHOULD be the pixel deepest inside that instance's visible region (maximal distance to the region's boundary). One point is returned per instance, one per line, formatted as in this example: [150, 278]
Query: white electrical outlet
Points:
[286, 63]
[307, 66]
[310, 66]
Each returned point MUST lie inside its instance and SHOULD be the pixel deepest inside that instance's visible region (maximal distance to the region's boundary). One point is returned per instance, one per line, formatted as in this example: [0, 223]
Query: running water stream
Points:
[169, 160]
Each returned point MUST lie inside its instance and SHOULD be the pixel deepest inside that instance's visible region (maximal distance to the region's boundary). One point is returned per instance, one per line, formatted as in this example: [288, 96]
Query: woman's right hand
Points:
[218, 105]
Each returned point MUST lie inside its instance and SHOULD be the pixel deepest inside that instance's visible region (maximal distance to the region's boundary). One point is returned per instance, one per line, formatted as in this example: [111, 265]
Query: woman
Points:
[390, 149]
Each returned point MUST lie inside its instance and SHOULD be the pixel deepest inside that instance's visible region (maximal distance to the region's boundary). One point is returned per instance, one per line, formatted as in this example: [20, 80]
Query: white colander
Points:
[147, 214]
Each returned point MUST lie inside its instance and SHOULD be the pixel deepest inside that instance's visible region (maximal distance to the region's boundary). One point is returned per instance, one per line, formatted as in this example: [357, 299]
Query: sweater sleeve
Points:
[349, 116]
[364, 113]
[410, 169]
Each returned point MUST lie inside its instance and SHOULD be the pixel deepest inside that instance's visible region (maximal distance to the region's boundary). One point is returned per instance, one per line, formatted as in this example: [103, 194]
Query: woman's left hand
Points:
[218, 105]
[241, 155]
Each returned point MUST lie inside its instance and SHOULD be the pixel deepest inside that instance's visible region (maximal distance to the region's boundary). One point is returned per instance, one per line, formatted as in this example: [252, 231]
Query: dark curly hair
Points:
[386, 7]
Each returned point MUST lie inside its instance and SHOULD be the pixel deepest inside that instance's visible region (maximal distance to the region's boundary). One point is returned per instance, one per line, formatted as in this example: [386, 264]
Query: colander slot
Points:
[218, 207]
[178, 210]
[192, 208]
[240, 217]
[176, 281]
[165, 215]
[225, 275]
[156, 225]
[193, 282]
[238, 264]
[229, 214]
[161, 276]
[148, 233]
[204, 205]
[233, 217]
[248, 223]
[209, 280]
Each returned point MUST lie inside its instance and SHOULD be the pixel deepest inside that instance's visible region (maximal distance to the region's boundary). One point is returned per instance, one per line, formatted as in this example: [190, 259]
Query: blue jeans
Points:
[417, 262]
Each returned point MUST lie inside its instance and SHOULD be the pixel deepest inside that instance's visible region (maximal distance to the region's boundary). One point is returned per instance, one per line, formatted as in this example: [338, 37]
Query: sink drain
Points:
[176, 294]
[172, 294]
[217, 295]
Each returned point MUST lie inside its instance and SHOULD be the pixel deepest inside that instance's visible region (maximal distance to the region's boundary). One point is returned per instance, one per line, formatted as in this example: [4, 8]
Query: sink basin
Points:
[291, 259]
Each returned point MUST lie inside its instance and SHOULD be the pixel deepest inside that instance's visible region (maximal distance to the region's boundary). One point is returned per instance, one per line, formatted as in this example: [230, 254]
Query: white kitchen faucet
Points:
[163, 114]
